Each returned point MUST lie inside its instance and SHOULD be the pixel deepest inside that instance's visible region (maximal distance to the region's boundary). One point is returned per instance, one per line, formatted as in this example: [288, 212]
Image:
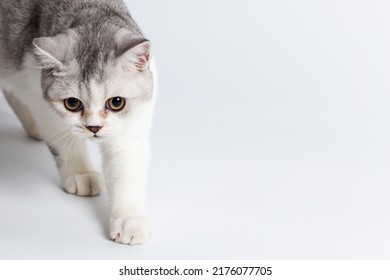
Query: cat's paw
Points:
[131, 230]
[85, 184]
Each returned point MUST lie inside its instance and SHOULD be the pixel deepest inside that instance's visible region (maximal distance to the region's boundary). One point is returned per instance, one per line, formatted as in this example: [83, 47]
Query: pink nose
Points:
[94, 129]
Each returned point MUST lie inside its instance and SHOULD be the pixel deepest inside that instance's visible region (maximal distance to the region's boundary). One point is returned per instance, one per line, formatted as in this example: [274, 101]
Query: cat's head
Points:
[94, 86]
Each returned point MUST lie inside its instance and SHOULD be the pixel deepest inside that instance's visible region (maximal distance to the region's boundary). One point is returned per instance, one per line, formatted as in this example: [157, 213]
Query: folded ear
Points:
[52, 52]
[134, 53]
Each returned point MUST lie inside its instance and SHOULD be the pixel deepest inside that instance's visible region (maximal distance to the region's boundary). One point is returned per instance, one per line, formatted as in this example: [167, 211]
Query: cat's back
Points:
[18, 22]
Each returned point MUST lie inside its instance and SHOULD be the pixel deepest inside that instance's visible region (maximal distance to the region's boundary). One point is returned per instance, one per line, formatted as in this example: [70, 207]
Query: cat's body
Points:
[79, 70]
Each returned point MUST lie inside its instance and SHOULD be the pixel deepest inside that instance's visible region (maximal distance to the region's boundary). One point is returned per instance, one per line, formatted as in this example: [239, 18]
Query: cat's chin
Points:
[96, 138]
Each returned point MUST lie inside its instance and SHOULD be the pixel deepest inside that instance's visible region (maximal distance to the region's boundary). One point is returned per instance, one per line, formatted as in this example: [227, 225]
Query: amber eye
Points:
[116, 103]
[73, 104]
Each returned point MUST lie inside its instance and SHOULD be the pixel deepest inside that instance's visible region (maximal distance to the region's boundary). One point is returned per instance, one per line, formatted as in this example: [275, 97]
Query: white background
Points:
[271, 140]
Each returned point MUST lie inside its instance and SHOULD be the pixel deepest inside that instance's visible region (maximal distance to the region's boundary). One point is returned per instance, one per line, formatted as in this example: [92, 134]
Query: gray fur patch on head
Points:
[94, 23]
[91, 43]
[94, 52]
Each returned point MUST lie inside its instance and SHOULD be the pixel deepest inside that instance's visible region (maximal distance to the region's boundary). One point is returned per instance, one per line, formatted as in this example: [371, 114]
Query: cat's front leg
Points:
[125, 168]
[77, 174]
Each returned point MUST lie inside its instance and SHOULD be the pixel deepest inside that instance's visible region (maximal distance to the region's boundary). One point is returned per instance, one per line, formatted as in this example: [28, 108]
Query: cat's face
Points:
[98, 109]
[102, 104]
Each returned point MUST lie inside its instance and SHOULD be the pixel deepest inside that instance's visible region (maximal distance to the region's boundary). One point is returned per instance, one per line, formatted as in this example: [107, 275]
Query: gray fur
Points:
[93, 22]
[53, 150]
[56, 155]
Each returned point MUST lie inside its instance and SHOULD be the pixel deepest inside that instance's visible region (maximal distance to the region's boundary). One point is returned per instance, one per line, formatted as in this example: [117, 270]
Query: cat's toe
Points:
[131, 230]
[85, 184]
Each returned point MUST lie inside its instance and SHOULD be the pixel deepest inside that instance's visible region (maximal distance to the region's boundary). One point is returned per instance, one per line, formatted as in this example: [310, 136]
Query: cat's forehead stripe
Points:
[96, 88]
[91, 89]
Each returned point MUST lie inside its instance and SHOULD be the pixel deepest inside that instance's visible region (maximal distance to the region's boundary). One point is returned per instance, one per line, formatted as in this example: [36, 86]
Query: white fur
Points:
[126, 160]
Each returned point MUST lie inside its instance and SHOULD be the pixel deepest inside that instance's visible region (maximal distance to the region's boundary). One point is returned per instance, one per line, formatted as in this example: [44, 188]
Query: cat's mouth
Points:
[96, 137]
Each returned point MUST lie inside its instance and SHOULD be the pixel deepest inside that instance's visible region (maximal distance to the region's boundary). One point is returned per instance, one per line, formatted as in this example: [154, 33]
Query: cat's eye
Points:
[73, 104]
[116, 103]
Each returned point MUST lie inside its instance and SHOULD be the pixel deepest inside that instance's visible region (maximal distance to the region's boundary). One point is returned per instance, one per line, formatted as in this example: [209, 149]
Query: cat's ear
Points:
[134, 53]
[52, 52]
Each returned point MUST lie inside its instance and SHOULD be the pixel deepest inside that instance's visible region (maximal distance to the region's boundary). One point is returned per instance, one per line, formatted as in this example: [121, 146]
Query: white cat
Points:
[77, 71]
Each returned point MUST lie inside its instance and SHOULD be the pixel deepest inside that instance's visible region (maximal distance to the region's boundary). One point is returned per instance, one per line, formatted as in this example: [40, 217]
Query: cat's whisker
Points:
[72, 152]
[39, 158]
[77, 153]
[57, 133]
[67, 140]
[58, 141]
[51, 141]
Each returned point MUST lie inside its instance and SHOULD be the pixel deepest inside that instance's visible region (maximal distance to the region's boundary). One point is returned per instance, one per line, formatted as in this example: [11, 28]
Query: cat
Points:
[81, 70]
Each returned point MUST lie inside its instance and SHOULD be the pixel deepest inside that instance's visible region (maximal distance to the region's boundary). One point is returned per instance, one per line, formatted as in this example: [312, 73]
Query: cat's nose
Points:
[94, 129]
